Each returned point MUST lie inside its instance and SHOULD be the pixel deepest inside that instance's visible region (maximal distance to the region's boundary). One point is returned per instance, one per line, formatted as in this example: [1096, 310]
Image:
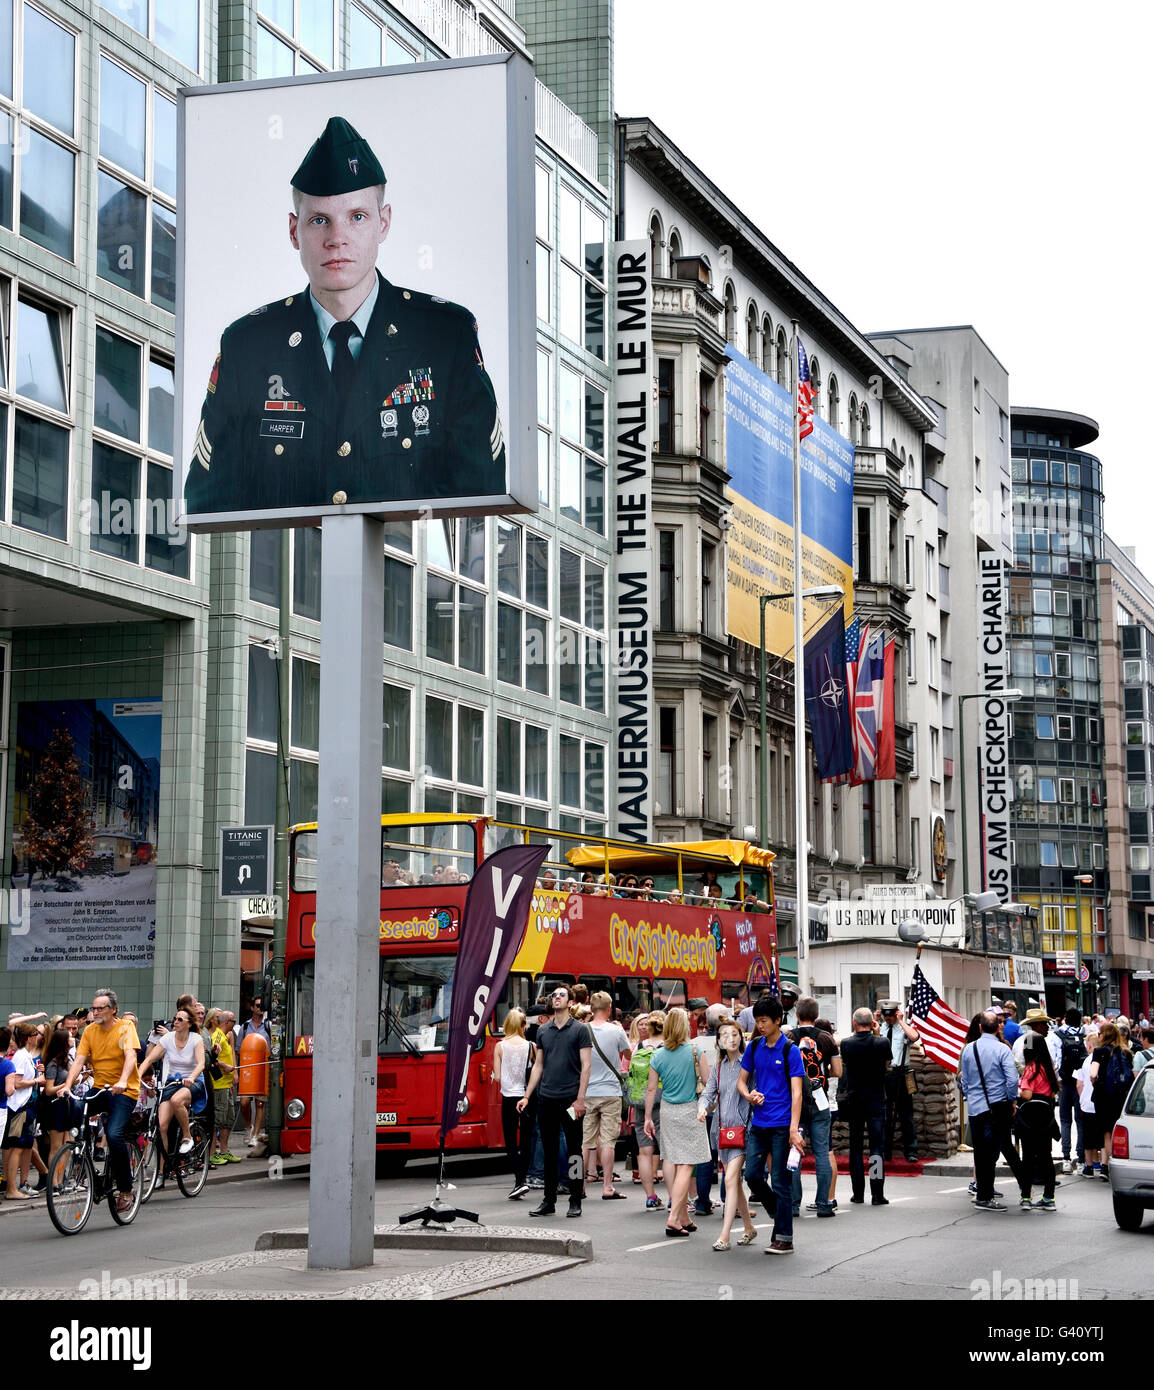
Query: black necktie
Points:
[343, 364]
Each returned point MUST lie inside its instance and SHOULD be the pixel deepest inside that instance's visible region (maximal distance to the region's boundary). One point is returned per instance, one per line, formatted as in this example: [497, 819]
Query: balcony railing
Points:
[692, 301]
[564, 131]
[451, 28]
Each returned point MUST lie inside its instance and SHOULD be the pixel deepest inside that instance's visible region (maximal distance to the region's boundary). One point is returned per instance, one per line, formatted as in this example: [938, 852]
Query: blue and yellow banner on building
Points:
[759, 458]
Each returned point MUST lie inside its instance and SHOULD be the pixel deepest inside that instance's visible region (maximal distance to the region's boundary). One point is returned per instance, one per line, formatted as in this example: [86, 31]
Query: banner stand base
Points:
[438, 1213]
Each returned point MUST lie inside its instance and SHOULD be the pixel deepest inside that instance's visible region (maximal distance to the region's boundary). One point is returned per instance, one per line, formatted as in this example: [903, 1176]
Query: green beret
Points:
[341, 161]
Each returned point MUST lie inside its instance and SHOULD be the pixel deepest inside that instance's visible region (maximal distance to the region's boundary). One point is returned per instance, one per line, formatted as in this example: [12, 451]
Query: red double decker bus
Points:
[647, 953]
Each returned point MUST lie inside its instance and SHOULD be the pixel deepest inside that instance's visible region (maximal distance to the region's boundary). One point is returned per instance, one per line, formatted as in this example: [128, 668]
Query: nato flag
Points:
[827, 698]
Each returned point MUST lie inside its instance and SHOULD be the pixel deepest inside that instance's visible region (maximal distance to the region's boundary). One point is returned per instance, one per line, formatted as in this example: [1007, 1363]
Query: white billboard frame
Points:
[462, 231]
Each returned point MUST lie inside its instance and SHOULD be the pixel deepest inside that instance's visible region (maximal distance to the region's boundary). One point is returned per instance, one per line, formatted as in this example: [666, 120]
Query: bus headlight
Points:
[295, 1109]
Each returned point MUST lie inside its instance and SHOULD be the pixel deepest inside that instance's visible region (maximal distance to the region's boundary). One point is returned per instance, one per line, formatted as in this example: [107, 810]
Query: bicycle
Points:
[76, 1182]
[161, 1162]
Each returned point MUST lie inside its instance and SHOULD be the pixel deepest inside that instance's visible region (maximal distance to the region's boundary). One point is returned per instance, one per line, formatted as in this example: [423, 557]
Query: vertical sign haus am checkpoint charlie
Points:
[633, 558]
[993, 728]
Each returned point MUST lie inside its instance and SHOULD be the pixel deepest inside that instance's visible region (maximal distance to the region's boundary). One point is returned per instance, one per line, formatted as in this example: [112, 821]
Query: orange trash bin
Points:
[253, 1077]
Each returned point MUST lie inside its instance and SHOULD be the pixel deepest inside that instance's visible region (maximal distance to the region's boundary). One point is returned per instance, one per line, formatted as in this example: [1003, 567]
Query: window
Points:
[1049, 853]
[301, 41]
[833, 397]
[136, 187]
[35, 404]
[581, 485]
[130, 511]
[1043, 601]
[173, 25]
[455, 612]
[667, 581]
[523, 655]
[398, 603]
[707, 444]
[668, 800]
[665, 377]
[454, 750]
[910, 564]
[582, 785]
[1132, 672]
[935, 754]
[710, 591]
[1136, 796]
[522, 777]
[544, 220]
[1047, 789]
[1044, 725]
[1140, 858]
[932, 675]
[396, 727]
[1066, 790]
[373, 46]
[38, 129]
[931, 569]
[783, 377]
[1135, 732]
[581, 647]
[1065, 726]
[581, 294]
[863, 538]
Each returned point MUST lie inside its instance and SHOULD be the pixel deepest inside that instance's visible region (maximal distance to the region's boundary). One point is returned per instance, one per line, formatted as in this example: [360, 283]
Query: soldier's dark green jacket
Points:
[420, 420]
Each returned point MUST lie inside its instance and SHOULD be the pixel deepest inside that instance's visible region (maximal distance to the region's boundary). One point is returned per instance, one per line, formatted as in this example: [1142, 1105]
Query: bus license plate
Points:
[386, 1117]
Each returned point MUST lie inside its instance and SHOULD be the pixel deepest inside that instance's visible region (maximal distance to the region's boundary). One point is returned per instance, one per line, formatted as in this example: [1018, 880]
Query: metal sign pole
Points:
[346, 1001]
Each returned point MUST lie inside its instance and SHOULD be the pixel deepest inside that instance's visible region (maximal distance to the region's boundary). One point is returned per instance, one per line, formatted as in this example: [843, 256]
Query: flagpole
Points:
[799, 755]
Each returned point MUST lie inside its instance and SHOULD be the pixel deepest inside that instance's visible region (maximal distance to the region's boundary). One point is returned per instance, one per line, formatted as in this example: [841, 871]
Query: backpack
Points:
[1119, 1072]
[1073, 1052]
[637, 1078]
[811, 1060]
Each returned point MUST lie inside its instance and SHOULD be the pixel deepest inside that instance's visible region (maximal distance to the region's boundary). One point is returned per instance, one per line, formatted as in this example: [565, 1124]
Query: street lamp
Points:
[822, 592]
[1080, 881]
[1009, 696]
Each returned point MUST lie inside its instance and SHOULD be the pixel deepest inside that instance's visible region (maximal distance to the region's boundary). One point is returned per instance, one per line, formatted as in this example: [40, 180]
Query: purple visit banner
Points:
[492, 929]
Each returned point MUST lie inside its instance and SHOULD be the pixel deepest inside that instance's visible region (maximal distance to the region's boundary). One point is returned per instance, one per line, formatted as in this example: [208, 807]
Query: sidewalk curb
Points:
[494, 1239]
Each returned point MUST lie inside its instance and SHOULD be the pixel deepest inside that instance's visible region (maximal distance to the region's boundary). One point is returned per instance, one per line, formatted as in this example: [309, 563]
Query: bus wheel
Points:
[391, 1165]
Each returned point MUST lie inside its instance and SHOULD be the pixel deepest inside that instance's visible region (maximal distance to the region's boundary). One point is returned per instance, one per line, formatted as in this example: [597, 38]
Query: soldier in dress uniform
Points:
[352, 390]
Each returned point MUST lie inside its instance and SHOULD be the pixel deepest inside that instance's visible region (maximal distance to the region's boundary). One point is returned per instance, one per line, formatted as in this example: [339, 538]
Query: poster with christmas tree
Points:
[84, 834]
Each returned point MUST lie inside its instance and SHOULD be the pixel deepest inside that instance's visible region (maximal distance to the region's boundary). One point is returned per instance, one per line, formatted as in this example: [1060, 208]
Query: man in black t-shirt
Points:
[560, 1075]
[819, 1055]
[861, 1100]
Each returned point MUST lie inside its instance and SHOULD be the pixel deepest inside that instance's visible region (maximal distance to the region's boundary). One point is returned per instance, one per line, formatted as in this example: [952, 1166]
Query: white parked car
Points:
[1132, 1153]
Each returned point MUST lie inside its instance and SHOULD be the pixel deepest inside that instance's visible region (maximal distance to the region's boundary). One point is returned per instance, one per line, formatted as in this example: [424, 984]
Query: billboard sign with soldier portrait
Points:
[355, 316]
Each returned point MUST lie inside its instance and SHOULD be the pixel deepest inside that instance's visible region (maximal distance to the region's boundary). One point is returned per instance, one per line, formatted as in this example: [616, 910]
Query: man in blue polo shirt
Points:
[777, 1073]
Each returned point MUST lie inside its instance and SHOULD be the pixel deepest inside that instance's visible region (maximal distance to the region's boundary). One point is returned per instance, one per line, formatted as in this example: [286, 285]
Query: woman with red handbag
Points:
[721, 1099]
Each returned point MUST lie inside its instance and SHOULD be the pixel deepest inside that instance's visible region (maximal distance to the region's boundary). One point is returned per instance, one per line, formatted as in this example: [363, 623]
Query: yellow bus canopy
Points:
[663, 858]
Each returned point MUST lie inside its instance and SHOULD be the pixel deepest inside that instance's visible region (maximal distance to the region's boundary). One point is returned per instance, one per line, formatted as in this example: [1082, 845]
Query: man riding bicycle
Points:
[110, 1044]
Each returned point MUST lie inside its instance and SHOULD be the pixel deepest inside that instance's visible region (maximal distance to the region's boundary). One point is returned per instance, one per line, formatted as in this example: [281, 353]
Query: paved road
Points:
[929, 1243]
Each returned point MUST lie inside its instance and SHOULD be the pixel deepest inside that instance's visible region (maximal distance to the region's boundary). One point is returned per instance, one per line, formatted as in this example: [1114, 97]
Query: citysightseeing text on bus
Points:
[656, 947]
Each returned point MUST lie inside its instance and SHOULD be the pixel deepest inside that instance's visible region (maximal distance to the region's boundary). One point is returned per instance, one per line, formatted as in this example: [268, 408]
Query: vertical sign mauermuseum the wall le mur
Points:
[632, 636]
[993, 728]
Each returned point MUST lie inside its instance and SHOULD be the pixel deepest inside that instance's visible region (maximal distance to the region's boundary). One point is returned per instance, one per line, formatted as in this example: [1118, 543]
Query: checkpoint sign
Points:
[246, 861]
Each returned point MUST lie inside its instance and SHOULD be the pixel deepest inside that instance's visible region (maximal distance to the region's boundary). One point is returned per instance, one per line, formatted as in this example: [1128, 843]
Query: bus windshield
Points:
[415, 995]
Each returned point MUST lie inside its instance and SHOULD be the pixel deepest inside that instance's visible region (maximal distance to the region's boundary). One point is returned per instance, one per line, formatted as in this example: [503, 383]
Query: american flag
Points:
[943, 1031]
[773, 980]
[804, 393]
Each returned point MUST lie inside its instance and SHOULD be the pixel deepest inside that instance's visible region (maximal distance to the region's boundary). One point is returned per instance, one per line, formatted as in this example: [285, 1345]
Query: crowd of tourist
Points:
[702, 1097]
[197, 1062]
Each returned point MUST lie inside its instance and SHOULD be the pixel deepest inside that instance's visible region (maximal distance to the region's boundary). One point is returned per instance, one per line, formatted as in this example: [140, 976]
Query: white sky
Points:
[928, 164]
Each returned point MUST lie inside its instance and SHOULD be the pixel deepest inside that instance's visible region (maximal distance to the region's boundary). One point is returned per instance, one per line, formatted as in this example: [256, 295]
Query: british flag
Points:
[805, 393]
[869, 679]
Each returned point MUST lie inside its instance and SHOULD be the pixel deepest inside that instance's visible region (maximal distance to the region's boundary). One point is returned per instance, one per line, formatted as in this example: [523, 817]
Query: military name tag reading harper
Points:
[282, 429]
